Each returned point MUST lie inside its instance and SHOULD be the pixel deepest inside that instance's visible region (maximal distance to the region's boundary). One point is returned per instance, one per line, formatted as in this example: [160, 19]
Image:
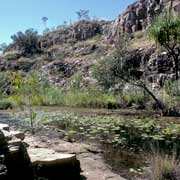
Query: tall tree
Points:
[171, 6]
[83, 14]
[44, 20]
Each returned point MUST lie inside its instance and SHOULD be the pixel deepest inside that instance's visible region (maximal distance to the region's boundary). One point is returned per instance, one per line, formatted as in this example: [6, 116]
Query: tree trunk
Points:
[31, 122]
[176, 62]
[176, 70]
[158, 102]
[171, 6]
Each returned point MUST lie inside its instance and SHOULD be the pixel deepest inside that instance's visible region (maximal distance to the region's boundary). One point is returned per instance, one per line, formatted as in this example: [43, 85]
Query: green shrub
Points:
[172, 88]
[91, 99]
[52, 96]
[27, 41]
[3, 84]
[134, 95]
[133, 99]
[6, 104]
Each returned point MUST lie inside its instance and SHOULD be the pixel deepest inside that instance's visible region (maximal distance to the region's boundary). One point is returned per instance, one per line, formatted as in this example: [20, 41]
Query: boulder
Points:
[4, 127]
[18, 134]
[18, 163]
[3, 143]
[14, 160]
[9, 135]
[3, 172]
[49, 164]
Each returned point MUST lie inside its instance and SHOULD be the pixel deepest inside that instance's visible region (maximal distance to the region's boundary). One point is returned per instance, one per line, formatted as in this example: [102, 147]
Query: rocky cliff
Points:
[139, 15]
[79, 31]
[77, 47]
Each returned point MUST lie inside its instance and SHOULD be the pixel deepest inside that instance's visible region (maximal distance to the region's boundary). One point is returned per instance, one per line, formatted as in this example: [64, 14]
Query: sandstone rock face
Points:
[155, 68]
[139, 15]
[81, 30]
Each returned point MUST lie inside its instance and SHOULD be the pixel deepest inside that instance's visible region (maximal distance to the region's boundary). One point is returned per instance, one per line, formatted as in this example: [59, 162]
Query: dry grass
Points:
[164, 167]
[141, 40]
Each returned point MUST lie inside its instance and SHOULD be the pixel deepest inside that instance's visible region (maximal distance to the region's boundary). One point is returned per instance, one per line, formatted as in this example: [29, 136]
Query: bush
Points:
[52, 96]
[27, 42]
[6, 104]
[90, 99]
[172, 88]
[134, 95]
[3, 84]
[131, 99]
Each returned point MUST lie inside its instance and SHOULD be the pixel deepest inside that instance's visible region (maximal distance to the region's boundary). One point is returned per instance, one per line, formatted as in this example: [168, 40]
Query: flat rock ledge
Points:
[52, 165]
[17, 161]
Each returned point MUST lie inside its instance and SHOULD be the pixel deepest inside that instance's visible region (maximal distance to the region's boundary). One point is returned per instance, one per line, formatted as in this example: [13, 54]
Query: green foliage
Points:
[26, 88]
[26, 91]
[76, 82]
[105, 73]
[134, 97]
[3, 83]
[172, 88]
[52, 96]
[132, 132]
[166, 30]
[6, 104]
[91, 99]
[27, 42]
[119, 68]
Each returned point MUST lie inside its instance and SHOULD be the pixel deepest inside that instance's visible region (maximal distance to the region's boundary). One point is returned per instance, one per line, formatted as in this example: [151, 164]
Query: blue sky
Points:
[18, 15]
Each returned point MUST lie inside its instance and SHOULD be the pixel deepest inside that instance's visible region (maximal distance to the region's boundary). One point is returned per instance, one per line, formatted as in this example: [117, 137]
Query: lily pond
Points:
[126, 137]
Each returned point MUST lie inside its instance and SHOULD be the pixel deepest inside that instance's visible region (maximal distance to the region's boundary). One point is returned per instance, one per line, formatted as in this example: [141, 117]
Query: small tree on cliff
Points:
[166, 32]
[117, 68]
